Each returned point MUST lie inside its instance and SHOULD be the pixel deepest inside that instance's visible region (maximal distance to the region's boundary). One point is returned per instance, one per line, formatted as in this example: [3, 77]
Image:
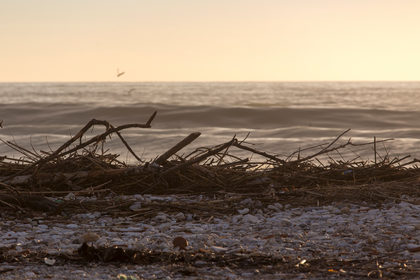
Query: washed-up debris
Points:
[83, 166]
[135, 206]
[49, 261]
[243, 211]
[218, 249]
[300, 213]
[89, 237]
[180, 242]
[190, 261]
[323, 236]
[119, 254]
[122, 276]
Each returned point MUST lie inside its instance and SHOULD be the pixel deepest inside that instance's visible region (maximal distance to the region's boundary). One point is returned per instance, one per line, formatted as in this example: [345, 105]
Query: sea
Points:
[279, 118]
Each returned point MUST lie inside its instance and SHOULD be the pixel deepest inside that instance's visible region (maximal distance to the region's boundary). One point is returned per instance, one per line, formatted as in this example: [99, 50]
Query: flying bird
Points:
[119, 74]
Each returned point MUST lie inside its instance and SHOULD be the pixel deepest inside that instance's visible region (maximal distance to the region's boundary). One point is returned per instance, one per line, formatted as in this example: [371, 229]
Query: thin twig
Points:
[327, 149]
[264, 154]
[199, 158]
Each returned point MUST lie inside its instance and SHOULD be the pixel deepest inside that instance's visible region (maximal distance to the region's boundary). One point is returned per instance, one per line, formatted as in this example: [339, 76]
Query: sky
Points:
[209, 40]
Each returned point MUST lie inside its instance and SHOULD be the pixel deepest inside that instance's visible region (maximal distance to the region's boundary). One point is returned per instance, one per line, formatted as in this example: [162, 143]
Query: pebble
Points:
[272, 207]
[70, 196]
[180, 216]
[250, 219]
[30, 274]
[246, 201]
[49, 261]
[236, 218]
[89, 237]
[285, 222]
[218, 249]
[243, 211]
[72, 226]
[330, 231]
[161, 217]
[135, 206]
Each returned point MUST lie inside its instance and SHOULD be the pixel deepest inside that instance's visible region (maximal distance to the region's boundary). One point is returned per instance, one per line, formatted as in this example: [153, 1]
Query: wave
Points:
[275, 129]
[174, 116]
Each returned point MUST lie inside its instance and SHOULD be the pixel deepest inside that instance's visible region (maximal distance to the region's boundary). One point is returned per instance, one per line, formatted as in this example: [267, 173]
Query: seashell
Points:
[89, 237]
[180, 242]
[49, 261]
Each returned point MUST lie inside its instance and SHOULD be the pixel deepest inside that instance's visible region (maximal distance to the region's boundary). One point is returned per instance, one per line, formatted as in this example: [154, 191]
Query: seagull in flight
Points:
[119, 74]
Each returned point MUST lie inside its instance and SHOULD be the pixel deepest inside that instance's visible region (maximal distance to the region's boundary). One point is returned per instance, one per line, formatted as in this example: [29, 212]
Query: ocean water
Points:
[279, 117]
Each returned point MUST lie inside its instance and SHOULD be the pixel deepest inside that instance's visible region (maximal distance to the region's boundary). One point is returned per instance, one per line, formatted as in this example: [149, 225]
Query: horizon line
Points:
[219, 81]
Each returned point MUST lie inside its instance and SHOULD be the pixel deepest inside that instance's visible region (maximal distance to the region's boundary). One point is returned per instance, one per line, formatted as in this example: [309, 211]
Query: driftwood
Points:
[186, 141]
[61, 151]
[77, 166]
[309, 176]
[200, 158]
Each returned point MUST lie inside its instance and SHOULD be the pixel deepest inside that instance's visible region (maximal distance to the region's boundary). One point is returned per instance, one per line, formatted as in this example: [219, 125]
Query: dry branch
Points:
[186, 141]
[76, 166]
[264, 154]
[200, 158]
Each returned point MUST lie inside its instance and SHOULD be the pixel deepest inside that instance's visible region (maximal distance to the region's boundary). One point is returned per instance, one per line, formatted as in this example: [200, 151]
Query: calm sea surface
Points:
[280, 117]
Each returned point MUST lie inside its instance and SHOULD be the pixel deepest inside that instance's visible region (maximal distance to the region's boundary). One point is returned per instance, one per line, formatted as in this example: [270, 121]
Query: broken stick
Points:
[186, 141]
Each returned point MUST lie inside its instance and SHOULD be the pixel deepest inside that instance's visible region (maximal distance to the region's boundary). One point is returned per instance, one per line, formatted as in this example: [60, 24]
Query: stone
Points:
[243, 211]
[72, 226]
[218, 249]
[180, 216]
[135, 206]
[89, 237]
[250, 219]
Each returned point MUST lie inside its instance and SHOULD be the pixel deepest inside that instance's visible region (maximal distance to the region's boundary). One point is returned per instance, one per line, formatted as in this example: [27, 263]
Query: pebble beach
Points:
[385, 237]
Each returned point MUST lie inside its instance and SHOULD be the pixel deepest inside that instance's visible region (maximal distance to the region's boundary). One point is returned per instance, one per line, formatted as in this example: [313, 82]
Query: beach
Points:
[253, 239]
[269, 188]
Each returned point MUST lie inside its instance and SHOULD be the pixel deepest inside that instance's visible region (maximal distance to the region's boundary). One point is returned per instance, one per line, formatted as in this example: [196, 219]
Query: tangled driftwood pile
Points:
[82, 166]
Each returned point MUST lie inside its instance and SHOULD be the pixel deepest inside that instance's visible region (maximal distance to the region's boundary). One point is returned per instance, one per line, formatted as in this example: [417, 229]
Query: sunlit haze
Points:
[186, 40]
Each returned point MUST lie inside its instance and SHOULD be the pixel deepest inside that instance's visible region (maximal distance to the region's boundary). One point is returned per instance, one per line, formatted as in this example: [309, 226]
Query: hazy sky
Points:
[209, 40]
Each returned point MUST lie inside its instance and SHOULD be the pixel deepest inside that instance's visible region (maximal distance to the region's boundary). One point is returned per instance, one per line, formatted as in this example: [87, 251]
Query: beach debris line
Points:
[82, 165]
[193, 260]
[146, 257]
